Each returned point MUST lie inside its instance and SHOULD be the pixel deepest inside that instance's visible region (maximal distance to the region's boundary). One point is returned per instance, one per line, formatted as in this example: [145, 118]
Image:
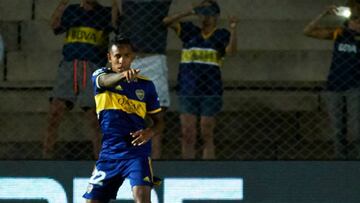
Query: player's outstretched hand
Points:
[142, 136]
[130, 74]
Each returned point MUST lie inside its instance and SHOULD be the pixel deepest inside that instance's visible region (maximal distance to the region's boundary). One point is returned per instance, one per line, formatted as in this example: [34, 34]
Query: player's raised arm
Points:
[231, 48]
[314, 29]
[115, 14]
[57, 14]
[170, 21]
[111, 79]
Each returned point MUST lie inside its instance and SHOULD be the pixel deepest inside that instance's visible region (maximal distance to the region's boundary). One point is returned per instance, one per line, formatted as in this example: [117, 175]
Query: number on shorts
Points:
[97, 177]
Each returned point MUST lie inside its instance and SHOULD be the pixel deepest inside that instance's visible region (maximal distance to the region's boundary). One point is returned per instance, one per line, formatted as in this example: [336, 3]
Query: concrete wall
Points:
[266, 29]
[15, 10]
[271, 47]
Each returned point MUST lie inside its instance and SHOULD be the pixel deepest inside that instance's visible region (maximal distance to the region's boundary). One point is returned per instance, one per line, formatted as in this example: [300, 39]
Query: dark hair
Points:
[121, 40]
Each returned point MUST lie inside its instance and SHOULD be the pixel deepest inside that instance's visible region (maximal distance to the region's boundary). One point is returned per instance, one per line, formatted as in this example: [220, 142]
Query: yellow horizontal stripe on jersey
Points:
[199, 55]
[85, 35]
[113, 101]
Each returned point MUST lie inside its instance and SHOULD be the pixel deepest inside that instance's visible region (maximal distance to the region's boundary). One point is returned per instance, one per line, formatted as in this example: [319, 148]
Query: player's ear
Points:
[109, 57]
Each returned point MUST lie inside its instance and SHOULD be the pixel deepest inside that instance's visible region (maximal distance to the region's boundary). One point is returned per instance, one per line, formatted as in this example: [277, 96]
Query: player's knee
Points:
[188, 130]
[188, 140]
[188, 134]
[207, 126]
[141, 198]
[141, 195]
[207, 133]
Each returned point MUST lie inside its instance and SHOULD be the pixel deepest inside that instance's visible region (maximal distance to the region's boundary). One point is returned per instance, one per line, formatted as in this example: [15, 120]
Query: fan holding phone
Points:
[342, 91]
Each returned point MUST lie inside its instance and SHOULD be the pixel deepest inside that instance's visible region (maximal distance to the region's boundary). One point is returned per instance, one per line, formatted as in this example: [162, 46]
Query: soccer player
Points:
[123, 101]
[199, 78]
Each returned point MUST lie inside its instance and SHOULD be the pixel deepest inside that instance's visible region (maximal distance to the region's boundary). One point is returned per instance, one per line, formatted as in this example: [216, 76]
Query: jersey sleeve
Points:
[66, 19]
[152, 100]
[222, 40]
[95, 78]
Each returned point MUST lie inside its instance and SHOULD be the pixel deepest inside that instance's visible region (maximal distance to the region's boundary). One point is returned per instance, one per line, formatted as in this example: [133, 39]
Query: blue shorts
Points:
[109, 175]
[200, 105]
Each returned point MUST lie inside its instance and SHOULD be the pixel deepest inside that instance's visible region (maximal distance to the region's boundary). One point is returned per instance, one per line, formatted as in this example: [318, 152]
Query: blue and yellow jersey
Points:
[122, 110]
[201, 59]
[344, 72]
[87, 33]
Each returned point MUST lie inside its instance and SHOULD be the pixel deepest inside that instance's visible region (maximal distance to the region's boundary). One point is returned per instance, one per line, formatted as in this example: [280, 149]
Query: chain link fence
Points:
[274, 86]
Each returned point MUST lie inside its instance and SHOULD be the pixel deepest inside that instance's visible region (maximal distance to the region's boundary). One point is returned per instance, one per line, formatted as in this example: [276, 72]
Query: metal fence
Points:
[274, 98]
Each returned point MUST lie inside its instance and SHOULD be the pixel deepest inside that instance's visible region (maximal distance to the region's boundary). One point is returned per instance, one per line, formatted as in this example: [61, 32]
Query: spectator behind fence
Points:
[199, 79]
[142, 22]
[342, 90]
[87, 26]
[123, 101]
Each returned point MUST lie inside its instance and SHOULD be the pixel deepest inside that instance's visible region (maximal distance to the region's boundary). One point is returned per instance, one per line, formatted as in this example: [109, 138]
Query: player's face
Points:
[208, 20]
[120, 57]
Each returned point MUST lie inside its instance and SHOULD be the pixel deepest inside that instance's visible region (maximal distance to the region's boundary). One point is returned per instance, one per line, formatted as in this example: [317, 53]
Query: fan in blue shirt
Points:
[199, 78]
[87, 26]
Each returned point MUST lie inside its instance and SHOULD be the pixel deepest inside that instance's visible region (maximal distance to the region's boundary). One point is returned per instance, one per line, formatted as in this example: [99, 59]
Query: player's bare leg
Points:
[56, 113]
[90, 115]
[207, 125]
[188, 140]
[142, 194]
